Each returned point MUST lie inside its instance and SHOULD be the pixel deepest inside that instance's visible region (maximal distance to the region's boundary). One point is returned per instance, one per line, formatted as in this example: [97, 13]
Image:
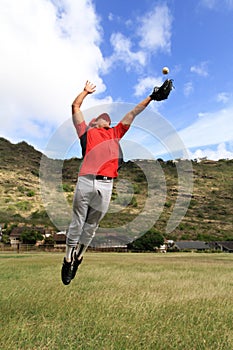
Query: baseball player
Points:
[101, 156]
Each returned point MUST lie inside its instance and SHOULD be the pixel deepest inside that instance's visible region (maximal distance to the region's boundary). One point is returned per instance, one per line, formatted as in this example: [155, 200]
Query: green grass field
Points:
[117, 301]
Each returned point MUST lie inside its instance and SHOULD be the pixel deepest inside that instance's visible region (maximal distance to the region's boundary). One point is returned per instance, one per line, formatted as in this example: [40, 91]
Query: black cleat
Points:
[66, 272]
[75, 265]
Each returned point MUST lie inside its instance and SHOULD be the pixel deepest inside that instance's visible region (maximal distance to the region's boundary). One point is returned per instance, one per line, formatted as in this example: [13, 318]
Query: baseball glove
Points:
[162, 92]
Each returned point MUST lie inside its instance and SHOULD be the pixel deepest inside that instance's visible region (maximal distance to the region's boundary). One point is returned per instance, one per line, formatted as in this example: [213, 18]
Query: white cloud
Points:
[217, 4]
[223, 97]
[209, 129]
[220, 152]
[123, 53]
[153, 33]
[155, 30]
[47, 53]
[110, 17]
[209, 3]
[200, 69]
[188, 88]
[146, 84]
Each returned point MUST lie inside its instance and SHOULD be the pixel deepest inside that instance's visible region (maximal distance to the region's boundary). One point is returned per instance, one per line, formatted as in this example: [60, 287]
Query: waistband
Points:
[101, 177]
[98, 177]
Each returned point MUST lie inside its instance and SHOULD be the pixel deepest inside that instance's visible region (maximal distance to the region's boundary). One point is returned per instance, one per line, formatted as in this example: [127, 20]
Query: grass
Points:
[118, 301]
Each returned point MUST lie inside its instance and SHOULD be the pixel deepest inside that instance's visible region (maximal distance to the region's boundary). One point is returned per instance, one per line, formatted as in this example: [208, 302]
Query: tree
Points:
[30, 236]
[5, 239]
[49, 241]
[148, 242]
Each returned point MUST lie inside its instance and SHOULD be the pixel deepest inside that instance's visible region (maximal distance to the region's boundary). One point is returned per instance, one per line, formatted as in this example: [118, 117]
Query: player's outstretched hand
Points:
[89, 87]
[162, 92]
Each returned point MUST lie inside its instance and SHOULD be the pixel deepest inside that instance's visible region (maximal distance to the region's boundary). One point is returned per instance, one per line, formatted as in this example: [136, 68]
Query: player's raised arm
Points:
[158, 94]
[129, 117]
[77, 115]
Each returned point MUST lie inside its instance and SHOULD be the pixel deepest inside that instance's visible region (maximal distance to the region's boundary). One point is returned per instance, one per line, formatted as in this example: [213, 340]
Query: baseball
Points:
[165, 70]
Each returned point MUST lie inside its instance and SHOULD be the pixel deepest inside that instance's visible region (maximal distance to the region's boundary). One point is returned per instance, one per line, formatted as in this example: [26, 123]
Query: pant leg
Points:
[82, 197]
[98, 207]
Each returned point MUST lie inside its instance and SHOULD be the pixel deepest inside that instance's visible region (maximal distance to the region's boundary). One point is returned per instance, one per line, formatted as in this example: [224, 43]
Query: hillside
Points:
[209, 216]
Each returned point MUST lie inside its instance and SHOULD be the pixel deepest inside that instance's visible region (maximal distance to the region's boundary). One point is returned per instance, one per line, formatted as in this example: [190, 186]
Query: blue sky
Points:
[49, 48]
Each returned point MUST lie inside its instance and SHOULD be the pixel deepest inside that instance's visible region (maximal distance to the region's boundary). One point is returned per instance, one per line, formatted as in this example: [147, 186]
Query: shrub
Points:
[30, 236]
[148, 242]
[31, 193]
[49, 241]
[23, 205]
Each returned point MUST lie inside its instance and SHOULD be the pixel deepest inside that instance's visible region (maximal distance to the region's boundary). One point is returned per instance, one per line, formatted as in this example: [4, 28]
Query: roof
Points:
[226, 244]
[197, 245]
[59, 237]
[223, 245]
[17, 231]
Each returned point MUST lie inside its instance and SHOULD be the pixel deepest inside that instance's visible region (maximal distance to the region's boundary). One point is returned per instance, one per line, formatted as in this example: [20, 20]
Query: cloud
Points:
[223, 97]
[123, 53]
[110, 17]
[145, 84]
[217, 4]
[209, 129]
[220, 152]
[210, 4]
[152, 32]
[188, 88]
[47, 53]
[155, 30]
[200, 69]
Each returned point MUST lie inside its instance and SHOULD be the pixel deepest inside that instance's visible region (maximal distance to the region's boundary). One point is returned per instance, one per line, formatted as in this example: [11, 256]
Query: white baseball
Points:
[165, 70]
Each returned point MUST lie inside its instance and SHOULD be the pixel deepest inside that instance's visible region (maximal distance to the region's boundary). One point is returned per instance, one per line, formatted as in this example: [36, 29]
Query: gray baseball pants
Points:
[90, 204]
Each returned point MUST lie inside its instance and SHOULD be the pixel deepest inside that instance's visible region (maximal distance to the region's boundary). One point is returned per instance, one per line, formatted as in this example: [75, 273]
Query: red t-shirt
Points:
[101, 149]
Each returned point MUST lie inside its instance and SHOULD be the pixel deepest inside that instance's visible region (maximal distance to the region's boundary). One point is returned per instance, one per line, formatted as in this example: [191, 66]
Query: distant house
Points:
[105, 239]
[17, 231]
[191, 246]
[59, 238]
[15, 235]
[224, 246]
[162, 248]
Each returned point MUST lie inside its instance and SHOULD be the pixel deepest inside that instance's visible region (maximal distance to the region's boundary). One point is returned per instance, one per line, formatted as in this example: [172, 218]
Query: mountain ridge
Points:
[209, 216]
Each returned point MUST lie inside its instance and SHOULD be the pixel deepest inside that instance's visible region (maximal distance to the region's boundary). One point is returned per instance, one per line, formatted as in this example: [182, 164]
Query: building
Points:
[191, 246]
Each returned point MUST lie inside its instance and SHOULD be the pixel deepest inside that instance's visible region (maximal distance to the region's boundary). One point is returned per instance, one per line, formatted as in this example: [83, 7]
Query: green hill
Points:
[209, 216]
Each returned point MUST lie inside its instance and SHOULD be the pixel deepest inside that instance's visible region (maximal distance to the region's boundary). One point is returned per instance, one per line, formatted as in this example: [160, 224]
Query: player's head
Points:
[102, 121]
[105, 117]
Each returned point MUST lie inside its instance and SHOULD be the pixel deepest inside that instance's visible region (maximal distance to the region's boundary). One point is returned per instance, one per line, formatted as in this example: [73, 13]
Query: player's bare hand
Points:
[89, 87]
